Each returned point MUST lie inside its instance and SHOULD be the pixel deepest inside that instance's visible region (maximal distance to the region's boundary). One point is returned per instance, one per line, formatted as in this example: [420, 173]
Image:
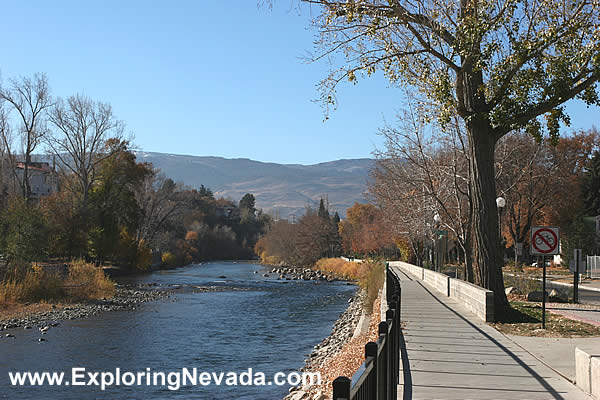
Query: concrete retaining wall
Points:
[413, 269]
[587, 370]
[478, 300]
[440, 282]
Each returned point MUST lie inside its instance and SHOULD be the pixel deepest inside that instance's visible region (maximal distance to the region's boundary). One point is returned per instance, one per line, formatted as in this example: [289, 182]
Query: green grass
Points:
[525, 319]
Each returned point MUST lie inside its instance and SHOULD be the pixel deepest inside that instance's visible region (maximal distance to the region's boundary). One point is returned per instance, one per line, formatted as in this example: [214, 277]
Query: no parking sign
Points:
[544, 240]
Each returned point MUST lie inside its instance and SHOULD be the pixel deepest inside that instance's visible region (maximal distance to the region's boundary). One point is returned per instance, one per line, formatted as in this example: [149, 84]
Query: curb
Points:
[362, 326]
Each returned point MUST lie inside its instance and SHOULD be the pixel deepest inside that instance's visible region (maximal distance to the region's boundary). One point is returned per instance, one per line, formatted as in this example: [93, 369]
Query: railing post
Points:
[395, 338]
[371, 351]
[382, 370]
[392, 351]
[397, 302]
[399, 305]
[341, 388]
[398, 322]
[389, 290]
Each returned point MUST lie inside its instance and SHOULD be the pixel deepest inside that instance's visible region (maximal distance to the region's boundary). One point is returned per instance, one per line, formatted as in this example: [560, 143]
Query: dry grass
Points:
[39, 284]
[370, 275]
[372, 282]
[85, 281]
[349, 270]
[31, 285]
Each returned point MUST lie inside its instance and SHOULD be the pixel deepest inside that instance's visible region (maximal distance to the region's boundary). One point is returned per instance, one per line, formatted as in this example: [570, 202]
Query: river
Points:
[250, 321]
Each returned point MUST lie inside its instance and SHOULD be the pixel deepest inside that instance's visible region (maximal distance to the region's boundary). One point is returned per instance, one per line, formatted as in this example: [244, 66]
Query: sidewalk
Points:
[590, 314]
[453, 355]
[559, 353]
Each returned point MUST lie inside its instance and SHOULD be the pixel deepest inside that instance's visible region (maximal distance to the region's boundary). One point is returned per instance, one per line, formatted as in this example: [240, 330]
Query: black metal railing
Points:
[378, 377]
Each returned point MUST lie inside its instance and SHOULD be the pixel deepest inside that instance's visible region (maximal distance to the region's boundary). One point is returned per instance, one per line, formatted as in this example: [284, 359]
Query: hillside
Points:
[284, 189]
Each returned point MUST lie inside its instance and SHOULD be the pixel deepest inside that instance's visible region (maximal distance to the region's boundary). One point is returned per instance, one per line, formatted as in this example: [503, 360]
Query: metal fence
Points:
[378, 377]
[593, 266]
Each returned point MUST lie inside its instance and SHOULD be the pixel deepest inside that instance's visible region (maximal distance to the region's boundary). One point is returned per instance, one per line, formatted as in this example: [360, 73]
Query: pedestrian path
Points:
[588, 315]
[449, 354]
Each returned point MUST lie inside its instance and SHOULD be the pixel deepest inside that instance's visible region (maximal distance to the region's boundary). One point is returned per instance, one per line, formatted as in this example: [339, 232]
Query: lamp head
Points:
[500, 202]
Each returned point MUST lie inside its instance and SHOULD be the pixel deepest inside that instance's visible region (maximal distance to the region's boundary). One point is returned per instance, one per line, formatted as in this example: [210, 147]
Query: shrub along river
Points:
[247, 321]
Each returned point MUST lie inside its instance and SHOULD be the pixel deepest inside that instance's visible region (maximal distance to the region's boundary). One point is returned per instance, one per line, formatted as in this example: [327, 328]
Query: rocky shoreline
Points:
[127, 297]
[299, 273]
[342, 332]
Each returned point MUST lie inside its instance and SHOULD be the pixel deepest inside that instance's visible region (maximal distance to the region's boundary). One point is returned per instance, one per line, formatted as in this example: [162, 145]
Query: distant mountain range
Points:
[281, 189]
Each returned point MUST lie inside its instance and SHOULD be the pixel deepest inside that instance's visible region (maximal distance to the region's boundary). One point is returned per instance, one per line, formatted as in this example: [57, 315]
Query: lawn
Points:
[525, 319]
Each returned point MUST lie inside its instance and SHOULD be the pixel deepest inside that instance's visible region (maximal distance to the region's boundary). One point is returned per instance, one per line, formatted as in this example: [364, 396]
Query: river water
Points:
[251, 321]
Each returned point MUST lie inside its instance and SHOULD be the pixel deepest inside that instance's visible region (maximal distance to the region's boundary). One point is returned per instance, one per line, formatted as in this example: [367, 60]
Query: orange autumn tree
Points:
[540, 181]
[366, 231]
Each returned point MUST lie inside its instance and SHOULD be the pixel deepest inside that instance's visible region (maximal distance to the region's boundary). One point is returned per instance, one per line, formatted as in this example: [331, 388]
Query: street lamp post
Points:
[437, 219]
[500, 203]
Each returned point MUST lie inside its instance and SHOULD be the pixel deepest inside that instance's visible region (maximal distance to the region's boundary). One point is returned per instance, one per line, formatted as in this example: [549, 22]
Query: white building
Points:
[42, 178]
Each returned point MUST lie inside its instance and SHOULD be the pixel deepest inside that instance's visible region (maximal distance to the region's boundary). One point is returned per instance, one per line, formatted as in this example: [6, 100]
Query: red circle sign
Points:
[544, 240]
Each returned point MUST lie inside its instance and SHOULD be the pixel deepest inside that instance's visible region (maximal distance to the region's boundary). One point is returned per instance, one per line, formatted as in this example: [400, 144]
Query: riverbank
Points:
[341, 353]
[126, 297]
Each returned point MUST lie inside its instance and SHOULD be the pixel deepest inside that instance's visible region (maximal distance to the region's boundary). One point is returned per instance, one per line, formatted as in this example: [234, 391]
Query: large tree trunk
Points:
[487, 257]
[469, 276]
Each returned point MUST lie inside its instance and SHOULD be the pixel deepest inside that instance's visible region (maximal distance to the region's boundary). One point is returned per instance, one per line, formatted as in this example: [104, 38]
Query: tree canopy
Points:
[526, 57]
[499, 65]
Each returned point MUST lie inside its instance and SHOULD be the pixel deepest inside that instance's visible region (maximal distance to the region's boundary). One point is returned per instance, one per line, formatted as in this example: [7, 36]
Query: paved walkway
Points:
[578, 313]
[453, 355]
[559, 353]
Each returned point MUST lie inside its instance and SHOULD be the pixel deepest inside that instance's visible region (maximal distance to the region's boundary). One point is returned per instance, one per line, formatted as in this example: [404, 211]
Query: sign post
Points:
[544, 242]
[544, 294]
[576, 276]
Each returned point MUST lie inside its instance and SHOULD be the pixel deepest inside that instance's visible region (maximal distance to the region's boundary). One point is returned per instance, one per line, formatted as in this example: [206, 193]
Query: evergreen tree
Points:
[336, 218]
[323, 211]
[204, 191]
[248, 203]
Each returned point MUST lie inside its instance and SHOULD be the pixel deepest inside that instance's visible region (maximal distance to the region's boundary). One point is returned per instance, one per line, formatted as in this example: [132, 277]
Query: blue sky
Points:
[202, 77]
